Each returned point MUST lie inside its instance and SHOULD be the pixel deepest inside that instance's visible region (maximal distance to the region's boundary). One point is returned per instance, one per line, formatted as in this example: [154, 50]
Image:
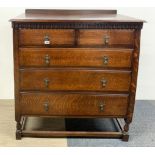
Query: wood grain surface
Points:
[96, 37]
[75, 57]
[63, 79]
[73, 104]
[33, 37]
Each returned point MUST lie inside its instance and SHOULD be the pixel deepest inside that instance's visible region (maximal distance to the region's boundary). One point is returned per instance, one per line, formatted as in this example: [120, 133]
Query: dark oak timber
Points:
[75, 57]
[73, 104]
[73, 79]
[75, 64]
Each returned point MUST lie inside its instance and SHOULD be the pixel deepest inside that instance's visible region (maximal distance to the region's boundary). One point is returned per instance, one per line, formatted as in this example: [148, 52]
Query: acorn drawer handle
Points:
[47, 59]
[46, 106]
[104, 82]
[105, 60]
[106, 39]
[46, 40]
[46, 82]
[101, 106]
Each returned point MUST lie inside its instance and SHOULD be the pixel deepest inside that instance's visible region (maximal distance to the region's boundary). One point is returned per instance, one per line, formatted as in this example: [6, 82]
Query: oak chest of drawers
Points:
[75, 63]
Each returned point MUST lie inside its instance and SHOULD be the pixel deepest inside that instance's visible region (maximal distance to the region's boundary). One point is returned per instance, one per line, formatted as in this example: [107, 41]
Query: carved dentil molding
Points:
[77, 25]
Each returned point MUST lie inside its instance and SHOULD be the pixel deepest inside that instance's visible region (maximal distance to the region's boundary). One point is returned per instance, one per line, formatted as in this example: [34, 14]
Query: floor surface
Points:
[7, 130]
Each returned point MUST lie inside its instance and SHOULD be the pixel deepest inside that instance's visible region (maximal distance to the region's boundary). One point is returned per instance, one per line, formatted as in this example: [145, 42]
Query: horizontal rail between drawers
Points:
[123, 93]
[75, 68]
[77, 92]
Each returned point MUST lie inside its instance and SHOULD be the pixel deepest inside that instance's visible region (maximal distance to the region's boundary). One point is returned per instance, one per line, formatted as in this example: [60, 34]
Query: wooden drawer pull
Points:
[101, 106]
[105, 60]
[47, 59]
[104, 82]
[46, 40]
[46, 106]
[46, 82]
[106, 39]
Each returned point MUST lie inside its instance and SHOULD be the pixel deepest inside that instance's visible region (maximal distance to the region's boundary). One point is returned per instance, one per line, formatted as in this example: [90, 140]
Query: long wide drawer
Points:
[74, 79]
[78, 57]
[62, 104]
[44, 37]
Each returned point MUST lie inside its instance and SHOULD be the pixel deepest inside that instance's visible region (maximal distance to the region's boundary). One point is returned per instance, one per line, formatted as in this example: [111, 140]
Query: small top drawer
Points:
[106, 37]
[45, 37]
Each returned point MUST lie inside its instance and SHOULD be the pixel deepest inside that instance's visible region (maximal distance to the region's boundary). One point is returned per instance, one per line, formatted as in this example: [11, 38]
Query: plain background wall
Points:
[146, 78]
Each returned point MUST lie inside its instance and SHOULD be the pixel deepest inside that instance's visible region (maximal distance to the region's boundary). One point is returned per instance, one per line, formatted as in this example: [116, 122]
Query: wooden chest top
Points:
[75, 19]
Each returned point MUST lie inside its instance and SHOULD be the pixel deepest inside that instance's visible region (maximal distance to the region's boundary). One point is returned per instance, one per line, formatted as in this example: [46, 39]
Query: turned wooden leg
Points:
[125, 137]
[125, 132]
[18, 131]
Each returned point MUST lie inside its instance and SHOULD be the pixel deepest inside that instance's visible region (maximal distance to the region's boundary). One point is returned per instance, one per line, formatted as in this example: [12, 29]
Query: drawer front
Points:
[80, 57]
[44, 37]
[106, 37]
[75, 79]
[62, 104]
